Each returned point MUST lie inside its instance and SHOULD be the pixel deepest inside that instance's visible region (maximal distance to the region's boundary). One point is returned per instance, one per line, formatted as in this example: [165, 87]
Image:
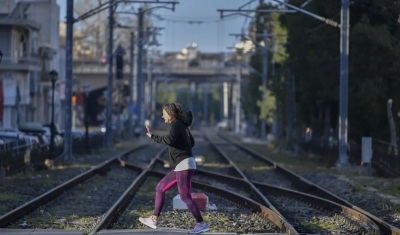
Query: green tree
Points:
[373, 64]
[267, 107]
[276, 74]
[165, 94]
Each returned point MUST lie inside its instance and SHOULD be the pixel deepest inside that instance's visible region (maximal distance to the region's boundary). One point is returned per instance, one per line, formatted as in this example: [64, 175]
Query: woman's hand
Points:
[148, 131]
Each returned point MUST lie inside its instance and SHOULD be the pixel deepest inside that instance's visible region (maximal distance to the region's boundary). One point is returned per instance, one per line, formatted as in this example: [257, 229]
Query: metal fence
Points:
[328, 150]
[385, 158]
[19, 158]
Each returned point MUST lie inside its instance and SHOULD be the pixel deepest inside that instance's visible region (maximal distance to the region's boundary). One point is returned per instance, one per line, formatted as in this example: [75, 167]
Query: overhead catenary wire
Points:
[192, 20]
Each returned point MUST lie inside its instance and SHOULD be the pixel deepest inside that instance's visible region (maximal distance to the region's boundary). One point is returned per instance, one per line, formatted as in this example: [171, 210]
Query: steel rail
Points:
[46, 197]
[309, 187]
[369, 225]
[258, 194]
[121, 204]
[243, 201]
[234, 197]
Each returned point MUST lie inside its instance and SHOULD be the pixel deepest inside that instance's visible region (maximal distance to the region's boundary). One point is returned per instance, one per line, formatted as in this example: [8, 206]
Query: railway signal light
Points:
[104, 60]
[119, 62]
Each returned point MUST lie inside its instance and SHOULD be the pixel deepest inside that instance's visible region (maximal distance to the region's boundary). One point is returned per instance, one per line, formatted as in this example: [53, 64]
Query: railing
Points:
[103, 69]
[12, 158]
[7, 58]
[24, 58]
[328, 150]
[16, 159]
[96, 141]
[385, 158]
[29, 58]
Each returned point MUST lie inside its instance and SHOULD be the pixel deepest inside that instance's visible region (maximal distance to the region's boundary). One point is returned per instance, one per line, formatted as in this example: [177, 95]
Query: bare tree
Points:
[95, 29]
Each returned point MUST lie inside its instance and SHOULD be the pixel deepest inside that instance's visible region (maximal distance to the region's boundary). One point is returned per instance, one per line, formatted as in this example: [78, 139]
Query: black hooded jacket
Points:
[179, 140]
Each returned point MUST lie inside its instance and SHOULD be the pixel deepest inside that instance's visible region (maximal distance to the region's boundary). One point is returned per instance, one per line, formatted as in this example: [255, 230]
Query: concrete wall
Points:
[6, 6]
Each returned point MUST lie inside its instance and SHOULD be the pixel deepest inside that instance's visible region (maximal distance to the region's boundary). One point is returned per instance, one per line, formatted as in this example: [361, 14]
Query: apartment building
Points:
[29, 41]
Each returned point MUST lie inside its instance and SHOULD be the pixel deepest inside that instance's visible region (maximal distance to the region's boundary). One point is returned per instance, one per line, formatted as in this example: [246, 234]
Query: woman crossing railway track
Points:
[180, 142]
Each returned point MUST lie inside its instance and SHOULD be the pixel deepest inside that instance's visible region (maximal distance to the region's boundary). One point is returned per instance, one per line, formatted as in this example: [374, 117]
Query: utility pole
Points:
[290, 112]
[222, 102]
[344, 71]
[131, 86]
[140, 104]
[344, 83]
[119, 69]
[153, 102]
[149, 84]
[140, 82]
[264, 75]
[193, 98]
[242, 12]
[264, 80]
[68, 81]
[230, 102]
[68, 65]
[206, 89]
[109, 131]
[133, 80]
[238, 91]
[238, 98]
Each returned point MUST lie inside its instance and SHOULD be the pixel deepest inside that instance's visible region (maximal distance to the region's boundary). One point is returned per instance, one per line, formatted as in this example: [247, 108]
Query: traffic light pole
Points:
[119, 69]
[140, 82]
[131, 86]
[68, 65]
[68, 82]
[109, 130]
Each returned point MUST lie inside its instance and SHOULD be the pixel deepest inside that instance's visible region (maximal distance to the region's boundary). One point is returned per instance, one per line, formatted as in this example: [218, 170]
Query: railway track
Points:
[292, 180]
[243, 203]
[308, 214]
[76, 203]
[254, 216]
[238, 213]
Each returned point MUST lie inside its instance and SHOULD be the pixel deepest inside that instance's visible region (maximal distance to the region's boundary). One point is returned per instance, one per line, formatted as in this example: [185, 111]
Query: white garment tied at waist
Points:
[186, 164]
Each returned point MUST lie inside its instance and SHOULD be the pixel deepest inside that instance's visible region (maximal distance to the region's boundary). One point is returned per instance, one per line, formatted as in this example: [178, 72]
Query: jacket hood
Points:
[186, 118]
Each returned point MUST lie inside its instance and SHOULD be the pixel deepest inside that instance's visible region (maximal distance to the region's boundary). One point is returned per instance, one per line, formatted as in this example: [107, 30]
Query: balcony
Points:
[26, 23]
[20, 62]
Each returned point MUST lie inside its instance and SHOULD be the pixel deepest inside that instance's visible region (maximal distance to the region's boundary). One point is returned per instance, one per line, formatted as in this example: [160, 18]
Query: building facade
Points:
[29, 41]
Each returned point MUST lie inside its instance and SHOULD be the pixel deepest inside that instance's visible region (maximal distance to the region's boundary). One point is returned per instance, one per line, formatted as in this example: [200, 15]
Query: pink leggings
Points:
[183, 180]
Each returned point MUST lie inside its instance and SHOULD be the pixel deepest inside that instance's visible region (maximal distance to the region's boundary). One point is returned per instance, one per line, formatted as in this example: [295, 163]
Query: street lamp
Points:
[54, 77]
[86, 88]
[1, 56]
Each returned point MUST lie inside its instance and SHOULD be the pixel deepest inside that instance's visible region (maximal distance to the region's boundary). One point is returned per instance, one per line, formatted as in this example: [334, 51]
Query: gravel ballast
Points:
[313, 220]
[359, 196]
[19, 189]
[227, 218]
[83, 206]
[350, 183]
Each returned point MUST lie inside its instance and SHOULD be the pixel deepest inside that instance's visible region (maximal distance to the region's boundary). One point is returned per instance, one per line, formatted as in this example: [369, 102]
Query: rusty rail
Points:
[254, 189]
[35, 203]
[307, 186]
[369, 225]
[120, 205]
[239, 199]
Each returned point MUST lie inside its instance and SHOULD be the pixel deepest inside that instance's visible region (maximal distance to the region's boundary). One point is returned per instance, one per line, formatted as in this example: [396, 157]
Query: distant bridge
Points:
[96, 74]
